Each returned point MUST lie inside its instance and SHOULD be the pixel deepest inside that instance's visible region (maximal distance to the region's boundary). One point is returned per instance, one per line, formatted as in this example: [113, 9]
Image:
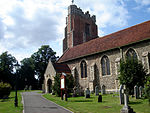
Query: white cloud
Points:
[1, 29]
[108, 12]
[148, 10]
[27, 24]
[143, 2]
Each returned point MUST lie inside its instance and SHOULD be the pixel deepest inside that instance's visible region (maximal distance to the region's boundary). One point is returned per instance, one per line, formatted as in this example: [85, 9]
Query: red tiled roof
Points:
[121, 38]
[61, 68]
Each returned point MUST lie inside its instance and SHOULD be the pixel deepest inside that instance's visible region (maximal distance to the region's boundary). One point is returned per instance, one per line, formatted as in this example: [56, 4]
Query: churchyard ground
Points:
[7, 105]
[110, 104]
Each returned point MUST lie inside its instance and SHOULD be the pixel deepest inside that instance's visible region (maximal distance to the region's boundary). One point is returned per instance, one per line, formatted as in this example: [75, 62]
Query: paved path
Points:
[35, 103]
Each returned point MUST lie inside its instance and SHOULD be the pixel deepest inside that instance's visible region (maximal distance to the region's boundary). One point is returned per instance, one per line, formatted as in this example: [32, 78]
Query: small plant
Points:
[5, 89]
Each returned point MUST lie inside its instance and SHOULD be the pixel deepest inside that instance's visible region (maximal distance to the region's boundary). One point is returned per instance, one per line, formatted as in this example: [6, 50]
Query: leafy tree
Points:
[69, 84]
[132, 73]
[147, 88]
[27, 73]
[41, 58]
[7, 62]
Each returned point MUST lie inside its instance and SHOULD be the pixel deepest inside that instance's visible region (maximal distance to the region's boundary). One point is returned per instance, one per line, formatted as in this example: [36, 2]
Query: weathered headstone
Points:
[136, 92]
[126, 108]
[103, 90]
[26, 87]
[87, 93]
[53, 93]
[100, 98]
[96, 91]
[121, 95]
[75, 92]
[140, 91]
[30, 87]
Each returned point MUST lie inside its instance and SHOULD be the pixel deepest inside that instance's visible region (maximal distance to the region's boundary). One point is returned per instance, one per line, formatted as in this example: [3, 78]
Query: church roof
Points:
[121, 38]
[61, 68]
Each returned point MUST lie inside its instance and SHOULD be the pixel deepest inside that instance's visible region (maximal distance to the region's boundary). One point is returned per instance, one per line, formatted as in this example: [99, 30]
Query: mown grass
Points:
[7, 105]
[110, 104]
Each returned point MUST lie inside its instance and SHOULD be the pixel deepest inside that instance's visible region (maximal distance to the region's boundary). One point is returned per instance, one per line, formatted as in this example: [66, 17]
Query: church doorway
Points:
[49, 86]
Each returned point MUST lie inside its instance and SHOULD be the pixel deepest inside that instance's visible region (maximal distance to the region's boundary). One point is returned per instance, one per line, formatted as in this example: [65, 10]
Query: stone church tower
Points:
[80, 27]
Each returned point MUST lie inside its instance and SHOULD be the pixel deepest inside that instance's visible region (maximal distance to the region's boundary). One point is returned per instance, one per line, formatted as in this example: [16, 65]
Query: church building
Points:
[93, 60]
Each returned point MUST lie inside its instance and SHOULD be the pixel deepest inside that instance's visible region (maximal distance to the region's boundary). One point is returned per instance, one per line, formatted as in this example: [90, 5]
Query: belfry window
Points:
[131, 53]
[105, 65]
[83, 69]
[87, 29]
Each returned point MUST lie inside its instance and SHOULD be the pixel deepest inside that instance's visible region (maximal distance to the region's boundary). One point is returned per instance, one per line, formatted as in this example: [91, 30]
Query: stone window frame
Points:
[87, 29]
[107, 73]
[133, 50]
[146, 60]
[85, 75]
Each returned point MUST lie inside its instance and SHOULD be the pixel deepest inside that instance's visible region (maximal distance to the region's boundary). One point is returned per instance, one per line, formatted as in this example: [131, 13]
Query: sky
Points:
[26, 25]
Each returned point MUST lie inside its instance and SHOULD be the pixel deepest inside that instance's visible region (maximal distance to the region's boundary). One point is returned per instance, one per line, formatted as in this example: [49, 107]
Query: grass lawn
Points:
[7, 105]
[110, 104]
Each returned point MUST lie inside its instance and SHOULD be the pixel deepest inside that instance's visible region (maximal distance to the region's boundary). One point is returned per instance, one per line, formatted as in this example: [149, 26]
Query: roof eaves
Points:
[104, 50]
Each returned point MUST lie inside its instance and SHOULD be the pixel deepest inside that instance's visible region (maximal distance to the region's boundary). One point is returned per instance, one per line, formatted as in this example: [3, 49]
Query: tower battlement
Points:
[73, 9]
[80, 27]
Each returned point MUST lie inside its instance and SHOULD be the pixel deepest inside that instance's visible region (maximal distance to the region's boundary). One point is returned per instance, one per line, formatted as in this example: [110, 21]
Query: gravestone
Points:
[30, 87]
[126, 108]
[121, 95]
[140, 91]
[26, 87]
[75, 91]
[96, 91]
[136, 92]
[100, 98]
[103, 90]
[53, 93]
[87, 93]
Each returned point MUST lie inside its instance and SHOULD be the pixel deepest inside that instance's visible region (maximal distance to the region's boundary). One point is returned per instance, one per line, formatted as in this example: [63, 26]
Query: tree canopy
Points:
[41, 58]
[27, 73]
[35, 65]
[7, 62]
[132, 73]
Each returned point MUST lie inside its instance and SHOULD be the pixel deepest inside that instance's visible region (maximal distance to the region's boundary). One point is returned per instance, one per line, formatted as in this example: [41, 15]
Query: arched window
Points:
[105, 65]
[83, 69]
[131, 53]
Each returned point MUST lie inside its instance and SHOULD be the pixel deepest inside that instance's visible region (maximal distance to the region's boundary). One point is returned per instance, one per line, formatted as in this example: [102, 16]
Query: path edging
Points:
[57, 104]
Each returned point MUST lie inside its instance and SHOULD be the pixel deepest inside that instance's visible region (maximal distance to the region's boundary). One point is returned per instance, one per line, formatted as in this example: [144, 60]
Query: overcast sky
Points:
[25, 25]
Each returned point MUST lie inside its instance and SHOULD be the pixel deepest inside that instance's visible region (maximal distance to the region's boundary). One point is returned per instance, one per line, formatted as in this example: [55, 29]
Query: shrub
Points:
[132, 73]
[69, 84]
[147, 89]
[5, 89]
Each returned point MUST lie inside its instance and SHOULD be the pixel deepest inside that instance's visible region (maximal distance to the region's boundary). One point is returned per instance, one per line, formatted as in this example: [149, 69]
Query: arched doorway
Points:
[49, 86]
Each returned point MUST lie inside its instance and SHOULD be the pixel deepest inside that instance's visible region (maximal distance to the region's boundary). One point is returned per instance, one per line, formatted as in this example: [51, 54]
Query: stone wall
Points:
[111, 82]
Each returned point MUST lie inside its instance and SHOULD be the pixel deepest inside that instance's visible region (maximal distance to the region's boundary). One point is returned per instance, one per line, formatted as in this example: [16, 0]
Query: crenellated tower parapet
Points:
[80, 27]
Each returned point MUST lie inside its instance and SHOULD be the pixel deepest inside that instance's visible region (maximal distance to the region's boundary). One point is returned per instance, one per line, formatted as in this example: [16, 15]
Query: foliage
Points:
[27, 73]
[7, 62]
[5, 89]
[132, 73]
[56, 86]
[41, 58]
[69, 84]
[147, 88]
